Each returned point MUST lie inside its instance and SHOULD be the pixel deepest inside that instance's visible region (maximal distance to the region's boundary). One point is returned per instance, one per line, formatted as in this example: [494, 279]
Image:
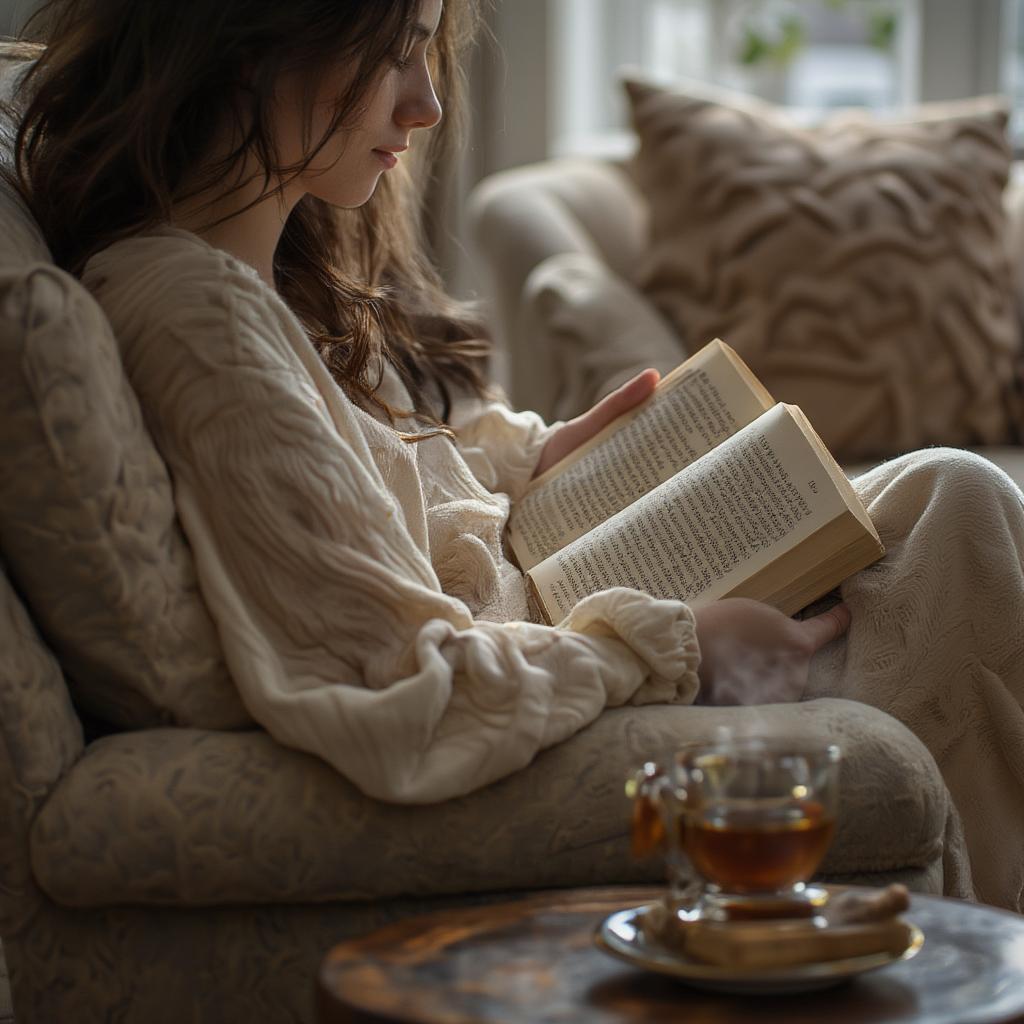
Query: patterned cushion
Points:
[87, 518]
[860, 267]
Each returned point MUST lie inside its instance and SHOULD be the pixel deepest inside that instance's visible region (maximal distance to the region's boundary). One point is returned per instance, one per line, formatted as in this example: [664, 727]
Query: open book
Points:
[707, 489]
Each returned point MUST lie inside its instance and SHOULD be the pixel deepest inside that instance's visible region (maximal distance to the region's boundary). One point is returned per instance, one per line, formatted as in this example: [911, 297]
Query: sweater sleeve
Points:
[332, 620]
[501, 446]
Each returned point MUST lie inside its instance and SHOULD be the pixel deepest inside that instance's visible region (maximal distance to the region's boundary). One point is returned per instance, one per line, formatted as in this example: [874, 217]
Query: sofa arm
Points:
[520, 218]
[583, 331]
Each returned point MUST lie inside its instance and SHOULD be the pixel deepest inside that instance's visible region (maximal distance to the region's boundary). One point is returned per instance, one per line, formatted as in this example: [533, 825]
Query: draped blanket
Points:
[937, 640]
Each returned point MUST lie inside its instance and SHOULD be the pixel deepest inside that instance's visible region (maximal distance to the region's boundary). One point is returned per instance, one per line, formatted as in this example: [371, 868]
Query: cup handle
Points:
[647, 788]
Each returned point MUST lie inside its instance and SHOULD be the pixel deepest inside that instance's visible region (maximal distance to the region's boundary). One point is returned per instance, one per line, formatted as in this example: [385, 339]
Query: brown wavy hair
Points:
[120, 111]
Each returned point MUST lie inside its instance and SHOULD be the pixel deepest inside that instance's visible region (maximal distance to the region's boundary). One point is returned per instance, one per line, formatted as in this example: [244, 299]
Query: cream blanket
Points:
[937, 640]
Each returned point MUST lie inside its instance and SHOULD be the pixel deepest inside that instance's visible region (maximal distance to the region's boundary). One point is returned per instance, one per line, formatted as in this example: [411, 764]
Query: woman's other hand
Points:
[753, 654]
[584, 427]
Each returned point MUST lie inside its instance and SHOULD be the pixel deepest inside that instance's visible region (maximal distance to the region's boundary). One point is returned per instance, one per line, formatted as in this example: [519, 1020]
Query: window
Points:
[811, 55]
[1013, 66]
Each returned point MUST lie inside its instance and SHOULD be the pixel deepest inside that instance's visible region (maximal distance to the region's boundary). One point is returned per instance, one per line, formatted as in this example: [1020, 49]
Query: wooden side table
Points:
[533, 961]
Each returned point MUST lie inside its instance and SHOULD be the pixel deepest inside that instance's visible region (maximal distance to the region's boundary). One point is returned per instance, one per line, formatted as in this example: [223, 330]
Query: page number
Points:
[813, 486]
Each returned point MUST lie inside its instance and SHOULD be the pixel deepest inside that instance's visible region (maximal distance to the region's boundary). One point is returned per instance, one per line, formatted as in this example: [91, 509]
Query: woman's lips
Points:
[387, 159]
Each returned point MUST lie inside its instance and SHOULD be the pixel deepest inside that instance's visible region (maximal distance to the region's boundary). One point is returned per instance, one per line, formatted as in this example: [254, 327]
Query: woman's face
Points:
[401, 98]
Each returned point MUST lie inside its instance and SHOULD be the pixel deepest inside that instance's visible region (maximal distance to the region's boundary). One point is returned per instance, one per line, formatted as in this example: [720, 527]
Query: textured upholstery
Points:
[89, 530]
[20, 239]
[183, 874]
[252, 822]
[40, 739]
[89, 527]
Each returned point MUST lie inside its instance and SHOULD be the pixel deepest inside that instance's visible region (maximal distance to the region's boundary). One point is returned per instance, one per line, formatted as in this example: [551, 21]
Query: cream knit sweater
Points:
[364, 602]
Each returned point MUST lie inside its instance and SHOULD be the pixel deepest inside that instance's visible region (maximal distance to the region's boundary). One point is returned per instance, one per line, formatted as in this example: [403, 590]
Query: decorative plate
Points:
[621, 934]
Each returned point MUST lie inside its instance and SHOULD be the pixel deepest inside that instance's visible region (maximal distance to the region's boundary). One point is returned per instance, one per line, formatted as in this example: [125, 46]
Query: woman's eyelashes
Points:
[420, 47]
[404, 55]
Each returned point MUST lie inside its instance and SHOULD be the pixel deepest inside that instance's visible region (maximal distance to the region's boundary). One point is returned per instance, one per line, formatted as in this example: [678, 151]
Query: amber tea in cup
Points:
[759, 820]
[758, 850]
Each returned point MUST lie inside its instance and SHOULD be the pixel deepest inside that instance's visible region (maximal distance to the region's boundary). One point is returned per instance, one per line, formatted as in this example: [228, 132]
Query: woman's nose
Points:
[420, 107]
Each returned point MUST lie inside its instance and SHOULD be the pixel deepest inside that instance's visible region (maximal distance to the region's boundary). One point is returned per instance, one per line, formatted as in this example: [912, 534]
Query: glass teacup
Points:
[760, 817]
[751, 820]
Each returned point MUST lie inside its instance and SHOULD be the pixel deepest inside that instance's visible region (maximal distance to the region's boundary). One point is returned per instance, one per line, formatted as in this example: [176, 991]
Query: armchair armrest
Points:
[183, 817]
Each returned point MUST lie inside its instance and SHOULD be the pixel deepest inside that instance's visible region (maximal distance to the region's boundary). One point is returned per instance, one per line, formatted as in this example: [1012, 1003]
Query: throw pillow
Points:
[87, 518]
[861, 266]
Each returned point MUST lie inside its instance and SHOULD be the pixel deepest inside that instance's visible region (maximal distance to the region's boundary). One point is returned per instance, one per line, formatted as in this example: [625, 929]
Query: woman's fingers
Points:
[752, 653]
[826, 627]
[581, 429]
[621, 400]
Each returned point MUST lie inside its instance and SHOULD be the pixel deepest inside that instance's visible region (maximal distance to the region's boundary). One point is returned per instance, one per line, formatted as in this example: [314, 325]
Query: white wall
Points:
[13, 14]
[960, 48]
[514, 85]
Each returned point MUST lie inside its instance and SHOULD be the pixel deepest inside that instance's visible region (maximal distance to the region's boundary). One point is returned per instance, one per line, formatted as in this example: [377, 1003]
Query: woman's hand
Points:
[583, 428]
[753, 654]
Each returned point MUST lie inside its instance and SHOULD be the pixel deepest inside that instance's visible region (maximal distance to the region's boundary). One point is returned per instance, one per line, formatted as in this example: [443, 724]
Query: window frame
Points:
[961, 51]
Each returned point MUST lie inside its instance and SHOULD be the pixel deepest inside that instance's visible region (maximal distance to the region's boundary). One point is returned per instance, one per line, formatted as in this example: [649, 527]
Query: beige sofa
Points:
[175, 873]
[566, 336]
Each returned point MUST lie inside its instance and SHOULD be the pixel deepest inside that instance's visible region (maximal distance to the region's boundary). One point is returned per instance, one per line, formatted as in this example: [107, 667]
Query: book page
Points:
[698, 535]
[701, 403]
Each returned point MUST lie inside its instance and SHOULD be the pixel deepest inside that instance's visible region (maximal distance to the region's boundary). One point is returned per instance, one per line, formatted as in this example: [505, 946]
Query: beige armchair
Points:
[166, 872]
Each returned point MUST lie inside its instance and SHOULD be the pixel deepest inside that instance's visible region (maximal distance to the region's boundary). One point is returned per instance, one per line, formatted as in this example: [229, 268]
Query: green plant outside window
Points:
[777, 39]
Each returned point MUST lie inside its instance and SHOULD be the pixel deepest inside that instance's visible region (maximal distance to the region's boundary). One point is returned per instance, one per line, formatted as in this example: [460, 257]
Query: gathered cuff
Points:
[662, 634]
[502, 447]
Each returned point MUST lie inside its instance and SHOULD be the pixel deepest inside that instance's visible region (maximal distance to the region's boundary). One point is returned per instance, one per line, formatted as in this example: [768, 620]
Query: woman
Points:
[340, 471]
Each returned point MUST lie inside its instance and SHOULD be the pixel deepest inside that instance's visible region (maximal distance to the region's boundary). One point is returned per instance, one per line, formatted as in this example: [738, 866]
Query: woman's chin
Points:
[350, 199]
